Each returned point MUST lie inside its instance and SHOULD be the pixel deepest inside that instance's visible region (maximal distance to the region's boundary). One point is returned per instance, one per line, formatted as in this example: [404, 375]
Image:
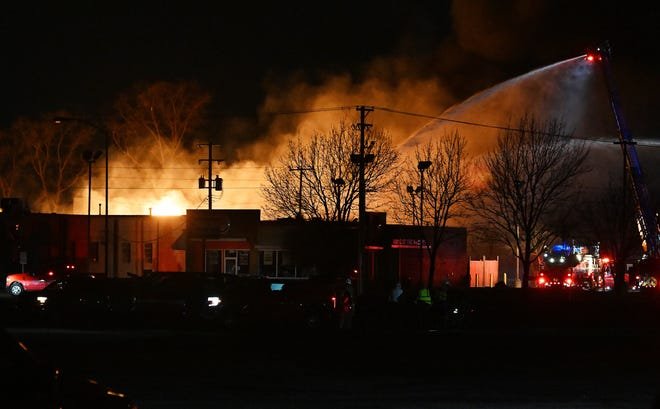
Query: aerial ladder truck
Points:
[645, 215]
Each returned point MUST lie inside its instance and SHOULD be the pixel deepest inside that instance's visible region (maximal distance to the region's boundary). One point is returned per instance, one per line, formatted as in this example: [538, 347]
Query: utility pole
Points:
[301, 169]
[218, 179]
[361, 159]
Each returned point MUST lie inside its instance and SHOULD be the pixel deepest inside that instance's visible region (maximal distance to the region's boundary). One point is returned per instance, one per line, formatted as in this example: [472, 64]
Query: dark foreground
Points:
[513, 352]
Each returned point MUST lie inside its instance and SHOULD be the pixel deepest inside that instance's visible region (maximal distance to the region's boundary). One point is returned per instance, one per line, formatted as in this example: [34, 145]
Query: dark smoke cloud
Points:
[499, 52]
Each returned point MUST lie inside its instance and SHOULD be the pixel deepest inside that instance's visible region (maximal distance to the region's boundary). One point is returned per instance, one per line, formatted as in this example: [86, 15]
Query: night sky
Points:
[420, 57]
[79, 57]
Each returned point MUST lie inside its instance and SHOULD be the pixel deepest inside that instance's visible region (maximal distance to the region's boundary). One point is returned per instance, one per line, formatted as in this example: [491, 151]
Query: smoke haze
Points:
[462, 72]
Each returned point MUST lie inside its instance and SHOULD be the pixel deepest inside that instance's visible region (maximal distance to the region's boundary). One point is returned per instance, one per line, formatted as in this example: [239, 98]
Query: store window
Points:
[236, 262]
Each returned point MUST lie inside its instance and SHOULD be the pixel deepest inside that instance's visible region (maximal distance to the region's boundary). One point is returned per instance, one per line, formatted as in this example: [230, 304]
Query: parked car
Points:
[180, 298]
[31, 382]
[267, 302]
[19, 283]
[228, 301]
[86, 300]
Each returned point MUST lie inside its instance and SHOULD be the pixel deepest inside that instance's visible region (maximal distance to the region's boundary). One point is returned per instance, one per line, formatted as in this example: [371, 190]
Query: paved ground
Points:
[190, 369]
[496, 362]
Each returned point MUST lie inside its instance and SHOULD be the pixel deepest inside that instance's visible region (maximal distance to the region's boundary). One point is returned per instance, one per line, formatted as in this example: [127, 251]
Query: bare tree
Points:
[528, 180]
[55, 156]
[317, 180]
[158, 119]
[446, 189]
[14, 179]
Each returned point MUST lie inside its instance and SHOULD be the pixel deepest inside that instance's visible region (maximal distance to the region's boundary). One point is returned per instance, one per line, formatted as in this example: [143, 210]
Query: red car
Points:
[18, 283]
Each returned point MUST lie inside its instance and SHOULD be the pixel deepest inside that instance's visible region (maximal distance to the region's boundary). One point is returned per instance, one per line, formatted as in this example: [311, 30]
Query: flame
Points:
[169, 205]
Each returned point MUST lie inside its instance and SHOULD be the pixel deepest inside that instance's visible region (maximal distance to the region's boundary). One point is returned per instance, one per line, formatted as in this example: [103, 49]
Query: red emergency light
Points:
[594, 55]
[591, 57]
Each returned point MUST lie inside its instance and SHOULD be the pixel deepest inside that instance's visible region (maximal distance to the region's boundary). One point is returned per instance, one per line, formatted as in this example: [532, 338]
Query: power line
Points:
[310, 111]
[458, 121]
[472, 123]
[171, 188]
[179, 168]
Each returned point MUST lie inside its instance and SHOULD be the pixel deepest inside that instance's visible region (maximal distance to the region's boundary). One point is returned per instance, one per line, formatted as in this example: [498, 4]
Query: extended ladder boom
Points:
[646, 219]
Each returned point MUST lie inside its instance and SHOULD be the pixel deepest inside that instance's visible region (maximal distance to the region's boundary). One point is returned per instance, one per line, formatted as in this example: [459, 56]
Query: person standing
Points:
[346, 300]
[395, 307]
[396, 292]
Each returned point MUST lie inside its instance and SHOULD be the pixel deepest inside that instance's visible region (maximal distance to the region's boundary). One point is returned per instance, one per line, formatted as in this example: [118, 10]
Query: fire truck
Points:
[567, 265]
[647, 269]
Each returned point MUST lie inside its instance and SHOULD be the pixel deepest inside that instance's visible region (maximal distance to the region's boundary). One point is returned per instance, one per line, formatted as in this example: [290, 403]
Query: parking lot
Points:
[276, 369]
[505, 348]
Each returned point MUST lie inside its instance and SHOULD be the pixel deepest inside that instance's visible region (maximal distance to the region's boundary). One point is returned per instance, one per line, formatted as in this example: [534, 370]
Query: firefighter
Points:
[422, 307]
[424, 296]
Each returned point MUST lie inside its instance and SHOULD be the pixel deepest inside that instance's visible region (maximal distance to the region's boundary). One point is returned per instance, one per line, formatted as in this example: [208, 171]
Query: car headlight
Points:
[213, 301]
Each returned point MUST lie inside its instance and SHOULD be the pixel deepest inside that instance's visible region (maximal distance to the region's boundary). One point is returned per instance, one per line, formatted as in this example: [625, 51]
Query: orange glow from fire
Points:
[169, 206]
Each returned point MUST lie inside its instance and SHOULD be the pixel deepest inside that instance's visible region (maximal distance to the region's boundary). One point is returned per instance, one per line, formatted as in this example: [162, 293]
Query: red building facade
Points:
[231, 242]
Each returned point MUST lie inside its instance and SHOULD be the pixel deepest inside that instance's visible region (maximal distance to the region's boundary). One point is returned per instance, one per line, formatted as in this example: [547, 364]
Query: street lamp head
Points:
[423, 164]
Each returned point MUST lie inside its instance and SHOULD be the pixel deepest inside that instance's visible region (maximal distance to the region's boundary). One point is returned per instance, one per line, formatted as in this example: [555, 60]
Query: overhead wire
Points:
[344, 108]
[458, 121]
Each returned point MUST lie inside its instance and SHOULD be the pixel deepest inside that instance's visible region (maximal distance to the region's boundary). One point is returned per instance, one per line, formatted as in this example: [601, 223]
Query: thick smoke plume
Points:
[464, 76]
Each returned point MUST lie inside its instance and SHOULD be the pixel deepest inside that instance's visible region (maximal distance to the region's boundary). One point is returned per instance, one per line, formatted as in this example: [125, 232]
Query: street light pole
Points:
[412, 191]
[105, 218]
[90, 157]
[339, 184]
[422, 165]
[105, 132]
